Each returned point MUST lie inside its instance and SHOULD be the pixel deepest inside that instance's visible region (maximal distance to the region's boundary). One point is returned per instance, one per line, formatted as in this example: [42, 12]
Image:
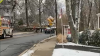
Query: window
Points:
[0, 22]
[5, 25]
[99, 22]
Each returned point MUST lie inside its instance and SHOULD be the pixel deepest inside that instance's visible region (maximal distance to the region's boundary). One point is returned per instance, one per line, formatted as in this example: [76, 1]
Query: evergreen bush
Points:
[95, 38]
[85, 36]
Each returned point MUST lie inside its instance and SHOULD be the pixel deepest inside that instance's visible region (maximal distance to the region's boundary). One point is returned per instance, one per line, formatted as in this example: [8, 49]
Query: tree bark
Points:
[71, 23]
[56, 17]
[26, 13]
[40, 14]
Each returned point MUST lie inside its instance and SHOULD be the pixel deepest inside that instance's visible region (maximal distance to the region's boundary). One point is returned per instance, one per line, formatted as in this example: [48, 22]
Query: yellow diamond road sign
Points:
[1, 1]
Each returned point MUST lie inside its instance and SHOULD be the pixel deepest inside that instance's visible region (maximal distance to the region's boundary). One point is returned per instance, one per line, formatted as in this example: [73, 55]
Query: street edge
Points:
[16, 37]
[28, 50]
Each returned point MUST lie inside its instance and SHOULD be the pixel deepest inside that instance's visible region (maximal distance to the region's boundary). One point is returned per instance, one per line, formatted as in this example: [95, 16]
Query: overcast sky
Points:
[61, 4]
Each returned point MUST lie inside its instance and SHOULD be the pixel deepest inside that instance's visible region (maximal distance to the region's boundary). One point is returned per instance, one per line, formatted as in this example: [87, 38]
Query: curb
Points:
[30, 51]
[20, 33]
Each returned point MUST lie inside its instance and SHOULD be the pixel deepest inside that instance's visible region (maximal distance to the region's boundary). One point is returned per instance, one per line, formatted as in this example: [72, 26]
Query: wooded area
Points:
[80, 14]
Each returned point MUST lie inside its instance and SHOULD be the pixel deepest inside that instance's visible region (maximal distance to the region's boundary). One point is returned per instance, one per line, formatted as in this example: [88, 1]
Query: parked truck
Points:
[5, 28]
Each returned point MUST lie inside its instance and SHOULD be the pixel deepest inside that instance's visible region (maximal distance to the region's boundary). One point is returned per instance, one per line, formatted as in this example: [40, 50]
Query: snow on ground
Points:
[73, 44]
[73, 52]
[70, 52]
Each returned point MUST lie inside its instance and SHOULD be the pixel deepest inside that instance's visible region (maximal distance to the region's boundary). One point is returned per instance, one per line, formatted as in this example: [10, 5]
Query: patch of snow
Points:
[28, 53]
[70, 52]
[73, 44]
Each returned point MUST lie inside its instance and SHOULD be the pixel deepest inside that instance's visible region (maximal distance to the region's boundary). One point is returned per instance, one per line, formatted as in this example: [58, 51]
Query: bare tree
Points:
[71, 22]
[49, 8]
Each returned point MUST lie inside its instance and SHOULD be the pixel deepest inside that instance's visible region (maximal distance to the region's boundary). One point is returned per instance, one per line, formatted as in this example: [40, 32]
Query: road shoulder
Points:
[43, 48]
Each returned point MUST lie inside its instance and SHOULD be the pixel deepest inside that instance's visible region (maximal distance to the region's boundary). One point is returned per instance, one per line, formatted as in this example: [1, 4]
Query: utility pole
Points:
[14, 14]
[99, 6]
[56, 15]
[40, 14]
[26, 13]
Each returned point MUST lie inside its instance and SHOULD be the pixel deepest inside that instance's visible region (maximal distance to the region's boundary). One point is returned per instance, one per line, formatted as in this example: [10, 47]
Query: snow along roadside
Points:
[72, 49]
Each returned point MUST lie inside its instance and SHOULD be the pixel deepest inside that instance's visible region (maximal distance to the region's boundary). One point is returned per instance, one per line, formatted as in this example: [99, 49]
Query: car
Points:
[49, 30]
[69, 38]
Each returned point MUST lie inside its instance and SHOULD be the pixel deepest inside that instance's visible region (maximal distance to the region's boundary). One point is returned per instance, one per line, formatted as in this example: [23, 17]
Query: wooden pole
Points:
[26, 13]
[40, 14]
[56, 15]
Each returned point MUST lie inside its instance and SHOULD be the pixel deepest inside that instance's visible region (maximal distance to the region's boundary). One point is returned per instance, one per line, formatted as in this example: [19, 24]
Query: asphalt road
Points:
[15, 46]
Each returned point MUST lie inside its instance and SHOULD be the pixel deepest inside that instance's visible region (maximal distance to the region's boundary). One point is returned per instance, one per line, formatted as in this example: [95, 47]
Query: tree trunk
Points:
[56, 18]
[26, 13]
[71, 23]
[40, 14]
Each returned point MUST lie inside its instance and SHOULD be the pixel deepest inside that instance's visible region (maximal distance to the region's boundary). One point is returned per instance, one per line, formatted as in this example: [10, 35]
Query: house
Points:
[98, 20]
